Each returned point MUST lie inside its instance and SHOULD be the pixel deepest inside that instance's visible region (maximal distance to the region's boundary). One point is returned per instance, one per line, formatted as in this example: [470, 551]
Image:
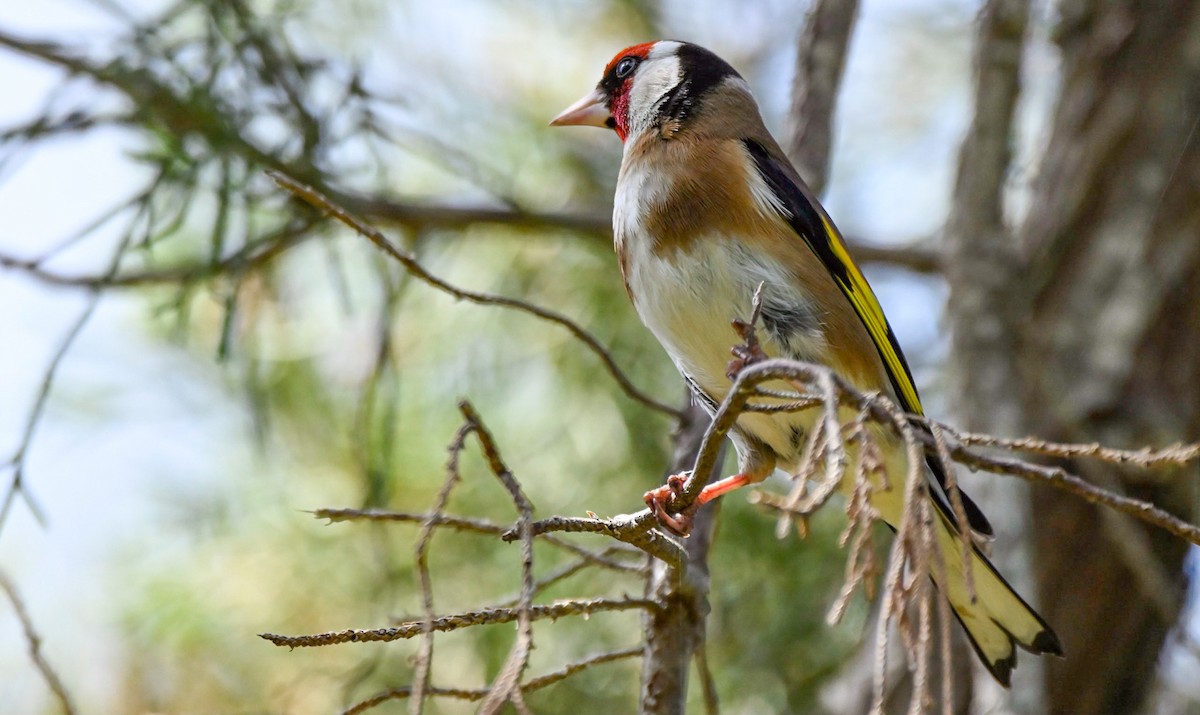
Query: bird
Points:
[707, 209]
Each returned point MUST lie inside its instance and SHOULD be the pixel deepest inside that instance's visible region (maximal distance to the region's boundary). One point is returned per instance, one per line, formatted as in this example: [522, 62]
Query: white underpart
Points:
[688, 299]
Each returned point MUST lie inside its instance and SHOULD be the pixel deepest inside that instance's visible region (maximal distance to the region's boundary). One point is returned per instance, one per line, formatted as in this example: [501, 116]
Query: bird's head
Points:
[649, 85]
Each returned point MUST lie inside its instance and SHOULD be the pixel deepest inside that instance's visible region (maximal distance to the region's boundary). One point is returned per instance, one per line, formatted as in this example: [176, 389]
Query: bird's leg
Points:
[681, 524]
[723, 486]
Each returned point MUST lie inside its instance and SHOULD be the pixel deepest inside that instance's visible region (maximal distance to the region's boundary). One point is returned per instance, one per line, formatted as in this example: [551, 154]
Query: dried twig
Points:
[458, 523]
[634, 529]
[1146, 457]
[480, 693]
[16, 462]
[505, 687]
[478, 526]
[34, 641]
[461, 620]
[425, 655]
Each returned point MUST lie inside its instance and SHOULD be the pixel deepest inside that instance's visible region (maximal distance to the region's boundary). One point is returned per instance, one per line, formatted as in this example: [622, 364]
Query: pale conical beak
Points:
[589, 111]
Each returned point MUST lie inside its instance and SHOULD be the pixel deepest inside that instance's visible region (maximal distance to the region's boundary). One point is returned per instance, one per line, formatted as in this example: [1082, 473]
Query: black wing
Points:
[811, 224]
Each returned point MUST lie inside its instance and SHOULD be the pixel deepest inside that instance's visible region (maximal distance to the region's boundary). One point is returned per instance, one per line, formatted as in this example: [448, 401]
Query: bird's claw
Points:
[679, 524]
[745, 354]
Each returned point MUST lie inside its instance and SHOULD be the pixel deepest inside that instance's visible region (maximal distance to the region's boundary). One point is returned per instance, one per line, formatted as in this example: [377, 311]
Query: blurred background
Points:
[232, 363]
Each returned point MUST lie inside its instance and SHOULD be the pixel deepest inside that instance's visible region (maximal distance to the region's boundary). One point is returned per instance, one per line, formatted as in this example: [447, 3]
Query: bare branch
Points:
[480, 693]
[458, 523]
[425, 656]
[634, 529]
[253, 255]
[479, 526]
[1146, 457]
[462, 620]
[17, 485]
[34, 641]
[1062, 479]
[505, 687]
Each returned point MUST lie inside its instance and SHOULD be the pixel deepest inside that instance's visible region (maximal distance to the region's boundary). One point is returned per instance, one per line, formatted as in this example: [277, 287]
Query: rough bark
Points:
[675, 632]
[820, 61]
[1111, 347]
[982, 268]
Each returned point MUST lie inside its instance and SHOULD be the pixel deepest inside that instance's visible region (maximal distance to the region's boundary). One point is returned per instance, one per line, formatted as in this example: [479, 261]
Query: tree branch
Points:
[480, 693]
[820, 62]
[454, 622]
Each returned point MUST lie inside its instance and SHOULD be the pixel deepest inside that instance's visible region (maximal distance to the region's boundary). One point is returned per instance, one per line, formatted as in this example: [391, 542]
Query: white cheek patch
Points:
[656, 77]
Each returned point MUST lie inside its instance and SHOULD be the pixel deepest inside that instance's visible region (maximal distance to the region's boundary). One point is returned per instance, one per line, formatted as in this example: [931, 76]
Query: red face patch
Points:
[616, 84]
[641, 52]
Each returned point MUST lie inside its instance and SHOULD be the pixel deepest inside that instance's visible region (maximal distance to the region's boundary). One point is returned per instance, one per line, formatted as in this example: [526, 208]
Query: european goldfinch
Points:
[708, 207]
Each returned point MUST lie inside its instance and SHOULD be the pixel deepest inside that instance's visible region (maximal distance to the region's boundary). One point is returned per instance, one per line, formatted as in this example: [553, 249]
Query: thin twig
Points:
[421, 669]
[505, 687]
[458, 523]
[708, 684]
[634, 529]
[17, 486]
[454, 622]
[34, 641]
[1146, 457]
[319, 201]
[472, 695]
[478, 526]
[1062, 479]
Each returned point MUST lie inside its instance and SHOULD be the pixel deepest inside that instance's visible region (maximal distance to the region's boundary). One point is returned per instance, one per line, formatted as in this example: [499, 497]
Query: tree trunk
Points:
[1110, 348]
[676, 632]
[982, 267]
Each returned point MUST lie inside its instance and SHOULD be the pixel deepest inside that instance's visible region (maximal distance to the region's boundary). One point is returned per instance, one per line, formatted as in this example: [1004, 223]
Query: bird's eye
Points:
[625, 66]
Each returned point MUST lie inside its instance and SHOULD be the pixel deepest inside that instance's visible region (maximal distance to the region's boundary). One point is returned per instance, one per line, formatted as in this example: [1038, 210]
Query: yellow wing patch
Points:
[869, 311]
